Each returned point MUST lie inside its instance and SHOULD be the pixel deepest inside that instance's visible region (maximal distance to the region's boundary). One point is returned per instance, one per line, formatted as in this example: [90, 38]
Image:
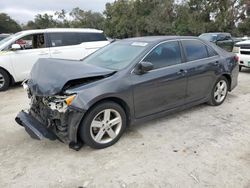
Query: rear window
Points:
[194, 49]
[208, 37]
[92, 37]
[74, 38]
[211, 52]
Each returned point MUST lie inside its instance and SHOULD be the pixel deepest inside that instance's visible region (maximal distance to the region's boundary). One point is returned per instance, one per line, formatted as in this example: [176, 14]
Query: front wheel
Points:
[103, 125]
[4, 80]
[219, 92]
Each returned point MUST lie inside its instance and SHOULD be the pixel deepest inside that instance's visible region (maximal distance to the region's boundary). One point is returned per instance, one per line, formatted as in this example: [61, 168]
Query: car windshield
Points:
[116, 56]
[9, 38]
[209, 37]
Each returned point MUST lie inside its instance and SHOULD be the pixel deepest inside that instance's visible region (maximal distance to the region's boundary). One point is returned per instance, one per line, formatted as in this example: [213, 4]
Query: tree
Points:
[119, 19]
[62, 20]
[125, 18]
[8, 25]
[86, 19]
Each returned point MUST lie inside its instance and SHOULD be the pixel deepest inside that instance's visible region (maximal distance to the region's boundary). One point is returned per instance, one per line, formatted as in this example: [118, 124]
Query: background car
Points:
[20, 51]
[128, 81]
[3, 36]
[224, 40]
[242, 49]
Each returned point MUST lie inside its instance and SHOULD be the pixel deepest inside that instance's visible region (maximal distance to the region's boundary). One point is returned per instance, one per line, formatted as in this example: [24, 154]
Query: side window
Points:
[92, 37]
[164, 55]
[64, 39]
[194, 49]
[31, 42]
[211, 52]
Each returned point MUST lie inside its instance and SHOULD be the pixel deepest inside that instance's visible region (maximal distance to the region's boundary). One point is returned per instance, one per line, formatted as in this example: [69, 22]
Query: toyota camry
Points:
[93, 100]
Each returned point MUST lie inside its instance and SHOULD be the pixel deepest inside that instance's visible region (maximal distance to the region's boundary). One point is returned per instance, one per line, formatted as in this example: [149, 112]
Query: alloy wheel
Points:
[220, 91]
[106, 126]
[2, 80]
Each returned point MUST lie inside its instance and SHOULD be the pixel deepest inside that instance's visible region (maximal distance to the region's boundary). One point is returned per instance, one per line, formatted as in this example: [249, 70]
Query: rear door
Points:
[164, 87]
[65, 45]
[201, 64]
[74, 45]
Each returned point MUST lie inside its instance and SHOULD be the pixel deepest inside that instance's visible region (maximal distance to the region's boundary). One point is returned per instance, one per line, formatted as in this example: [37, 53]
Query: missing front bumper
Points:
[33, 127]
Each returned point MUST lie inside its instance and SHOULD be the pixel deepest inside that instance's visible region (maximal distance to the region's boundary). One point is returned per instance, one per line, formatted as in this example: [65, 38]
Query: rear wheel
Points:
[4, 80]
[103, 125]
[219, 92]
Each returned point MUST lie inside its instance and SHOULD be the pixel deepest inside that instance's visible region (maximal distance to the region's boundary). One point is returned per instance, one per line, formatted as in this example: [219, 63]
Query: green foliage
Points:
[86, 19]
[8, 25]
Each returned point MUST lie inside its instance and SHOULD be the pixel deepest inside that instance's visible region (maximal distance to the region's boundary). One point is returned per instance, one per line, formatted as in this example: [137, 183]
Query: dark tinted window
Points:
[194, 49]
[92, 37]
[69, 39]
[165, 54]
[63, 39]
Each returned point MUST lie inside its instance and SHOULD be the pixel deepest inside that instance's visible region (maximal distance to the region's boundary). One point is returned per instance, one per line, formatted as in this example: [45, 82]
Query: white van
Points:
[20, 51]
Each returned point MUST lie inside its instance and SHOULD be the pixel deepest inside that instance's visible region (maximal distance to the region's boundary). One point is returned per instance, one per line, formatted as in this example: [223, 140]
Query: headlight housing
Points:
[59, 103]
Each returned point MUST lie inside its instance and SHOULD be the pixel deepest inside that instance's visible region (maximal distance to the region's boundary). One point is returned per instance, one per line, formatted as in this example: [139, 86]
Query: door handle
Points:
[182, 72]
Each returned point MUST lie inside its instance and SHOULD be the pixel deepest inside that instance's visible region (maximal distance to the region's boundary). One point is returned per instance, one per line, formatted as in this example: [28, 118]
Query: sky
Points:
[25, 10]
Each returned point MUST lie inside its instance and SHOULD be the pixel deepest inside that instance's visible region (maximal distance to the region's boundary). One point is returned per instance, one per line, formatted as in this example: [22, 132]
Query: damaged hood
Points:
[50, 76]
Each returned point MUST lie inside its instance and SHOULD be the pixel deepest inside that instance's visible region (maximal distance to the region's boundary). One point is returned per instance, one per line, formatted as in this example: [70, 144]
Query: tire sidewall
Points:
[6, 80]
[91, 114]
[213, 101]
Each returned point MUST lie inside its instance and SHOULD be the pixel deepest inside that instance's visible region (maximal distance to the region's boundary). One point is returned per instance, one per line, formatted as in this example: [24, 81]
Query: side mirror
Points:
[15, 47]
[144, 67]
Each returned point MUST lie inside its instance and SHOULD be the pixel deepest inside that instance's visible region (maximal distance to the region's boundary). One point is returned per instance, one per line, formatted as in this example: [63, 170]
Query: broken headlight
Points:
[59, 103]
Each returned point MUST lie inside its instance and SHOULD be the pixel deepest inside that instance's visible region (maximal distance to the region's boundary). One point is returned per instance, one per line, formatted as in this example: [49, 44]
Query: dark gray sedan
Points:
[93, 101]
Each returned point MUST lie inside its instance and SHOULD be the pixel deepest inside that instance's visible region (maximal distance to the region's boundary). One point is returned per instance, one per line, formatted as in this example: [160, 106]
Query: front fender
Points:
[5, 63]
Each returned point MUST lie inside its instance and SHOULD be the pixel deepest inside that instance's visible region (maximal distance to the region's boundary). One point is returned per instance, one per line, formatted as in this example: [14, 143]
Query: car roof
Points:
[157, 39]
[217, 33]
[64, 30]
[4, 34]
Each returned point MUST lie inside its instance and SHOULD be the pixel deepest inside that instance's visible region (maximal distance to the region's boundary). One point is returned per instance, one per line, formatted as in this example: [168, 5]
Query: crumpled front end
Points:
[52, 118]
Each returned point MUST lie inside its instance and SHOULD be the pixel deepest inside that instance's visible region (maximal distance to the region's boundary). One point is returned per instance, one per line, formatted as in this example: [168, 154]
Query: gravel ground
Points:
[200, 147]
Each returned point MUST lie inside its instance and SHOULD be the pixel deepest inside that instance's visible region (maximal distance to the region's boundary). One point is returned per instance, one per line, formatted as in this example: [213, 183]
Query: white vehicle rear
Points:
[20, 51]
[242, 49]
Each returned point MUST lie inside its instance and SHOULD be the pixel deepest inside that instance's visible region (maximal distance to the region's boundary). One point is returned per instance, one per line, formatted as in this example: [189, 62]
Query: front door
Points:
[33, 48]
[164, 87]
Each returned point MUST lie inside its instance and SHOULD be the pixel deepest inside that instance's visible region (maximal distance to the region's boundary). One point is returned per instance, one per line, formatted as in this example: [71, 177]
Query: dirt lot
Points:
[200, 147]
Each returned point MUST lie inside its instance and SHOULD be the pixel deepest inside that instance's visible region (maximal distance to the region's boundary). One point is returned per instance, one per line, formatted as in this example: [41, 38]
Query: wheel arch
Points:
[12, 80]
[117, 100]
[229, 79]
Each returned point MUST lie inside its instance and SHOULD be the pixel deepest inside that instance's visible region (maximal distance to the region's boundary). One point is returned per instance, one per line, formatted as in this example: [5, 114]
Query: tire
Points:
[240, 68]
[4, 80]
[217, 97]
[100, 133]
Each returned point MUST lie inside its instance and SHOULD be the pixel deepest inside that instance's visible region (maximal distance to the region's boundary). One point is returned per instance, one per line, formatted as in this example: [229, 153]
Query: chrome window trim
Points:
[173, 40]
[203, 44]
